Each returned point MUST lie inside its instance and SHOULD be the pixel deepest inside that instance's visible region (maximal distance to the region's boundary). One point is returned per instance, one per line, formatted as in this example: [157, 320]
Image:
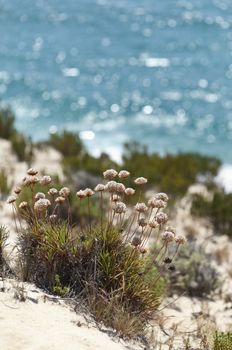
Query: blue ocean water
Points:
[158, 72]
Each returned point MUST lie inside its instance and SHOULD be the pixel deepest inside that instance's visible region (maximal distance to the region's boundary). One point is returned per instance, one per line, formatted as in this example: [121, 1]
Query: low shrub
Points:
[106, 264]
[222, 341]
[4, 187]
[20, 145]
[173, 173]
[67, 143]
[76, 156]
[194, 272]
[7, 120]
[217, 210]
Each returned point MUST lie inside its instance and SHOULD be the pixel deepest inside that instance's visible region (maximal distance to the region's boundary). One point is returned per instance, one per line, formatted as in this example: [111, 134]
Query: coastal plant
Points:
[7, 120]
[194, 272]
[222, 341]
[77, 213]
[76, 156]
[106, 263]
[21, 146]
[3, 239]
[185, 168]
[4, 186]
[217, 210]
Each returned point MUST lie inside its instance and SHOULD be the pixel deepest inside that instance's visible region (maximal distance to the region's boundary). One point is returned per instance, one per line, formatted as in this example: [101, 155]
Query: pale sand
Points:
[48, 326]
[45, 160]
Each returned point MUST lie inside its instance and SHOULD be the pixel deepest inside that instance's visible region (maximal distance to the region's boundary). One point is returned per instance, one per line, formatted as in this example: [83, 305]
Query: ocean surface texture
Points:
[158, 72]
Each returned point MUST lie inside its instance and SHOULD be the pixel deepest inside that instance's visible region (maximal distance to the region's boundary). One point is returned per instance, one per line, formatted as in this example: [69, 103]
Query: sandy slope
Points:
[45, 325]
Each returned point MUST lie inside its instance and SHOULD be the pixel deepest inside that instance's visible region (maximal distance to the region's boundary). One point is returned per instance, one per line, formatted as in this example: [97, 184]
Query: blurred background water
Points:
[158, 72]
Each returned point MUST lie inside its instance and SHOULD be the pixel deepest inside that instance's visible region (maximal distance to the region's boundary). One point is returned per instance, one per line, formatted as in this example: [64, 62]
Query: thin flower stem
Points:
[175, 254]
[14, 216]
[90, 228]
[101, 210]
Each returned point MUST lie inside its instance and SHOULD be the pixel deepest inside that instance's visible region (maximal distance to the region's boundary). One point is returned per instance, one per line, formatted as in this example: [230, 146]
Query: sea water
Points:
[157, 72]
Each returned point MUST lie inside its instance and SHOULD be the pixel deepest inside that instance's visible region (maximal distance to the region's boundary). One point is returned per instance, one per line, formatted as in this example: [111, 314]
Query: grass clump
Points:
[223, 341]
[3, 238]
[105, 264]
[217, 210]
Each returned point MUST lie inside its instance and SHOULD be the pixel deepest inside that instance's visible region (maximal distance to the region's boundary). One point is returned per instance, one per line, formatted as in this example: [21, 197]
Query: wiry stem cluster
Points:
[109, 261]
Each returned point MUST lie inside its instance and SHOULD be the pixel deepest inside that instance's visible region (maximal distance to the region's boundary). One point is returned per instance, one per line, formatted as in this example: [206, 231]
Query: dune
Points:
[41, 324]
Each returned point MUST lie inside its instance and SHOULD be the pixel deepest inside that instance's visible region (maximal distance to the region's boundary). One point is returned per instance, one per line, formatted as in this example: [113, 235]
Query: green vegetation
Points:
[76, 156]
[217, 209]
[194, 272]
[4, 187]
[104, 264]
[222, 341]
[67, 143]
[78, 213]
[20, 145]
[173, 173]
[3, 238]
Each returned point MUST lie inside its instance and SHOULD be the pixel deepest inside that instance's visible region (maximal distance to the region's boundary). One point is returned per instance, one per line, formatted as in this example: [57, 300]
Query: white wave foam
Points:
[152, 62]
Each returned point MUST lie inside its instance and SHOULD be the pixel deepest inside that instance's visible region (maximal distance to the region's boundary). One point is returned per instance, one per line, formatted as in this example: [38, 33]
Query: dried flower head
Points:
[52, 192]
[153, 223]
[110, 174]
[162, 196]
[11, 199]
[89, 192]
[141, 207]
[142, 222]
[81, 194]
[53, 217]
[171, 229]
[45, 180]
[116, 198]
[156, 203]
[42, 204]
[143, 250]
[111, 186]
[129, 191]
[23, 205]
[168, 236]
[17, 190]
[140, 181]
[136, 241]
[180, 239]
[64, 192]
[32, 171]
[99, 188]
[39, 195]
[30, 180]
[120, 187]
[119, 207]
[172, 268]
[123, 174]
[60, 200]
[161, 218]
